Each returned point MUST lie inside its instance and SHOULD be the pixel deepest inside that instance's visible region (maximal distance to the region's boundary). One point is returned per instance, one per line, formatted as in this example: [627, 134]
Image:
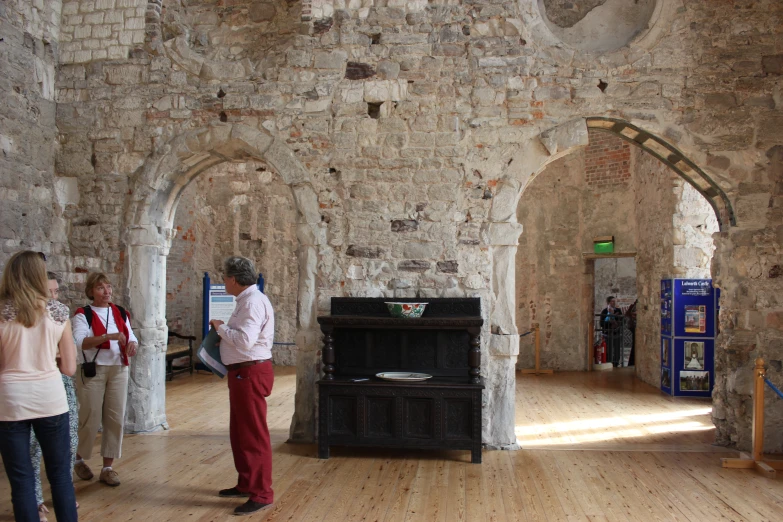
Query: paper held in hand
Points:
[209, 353]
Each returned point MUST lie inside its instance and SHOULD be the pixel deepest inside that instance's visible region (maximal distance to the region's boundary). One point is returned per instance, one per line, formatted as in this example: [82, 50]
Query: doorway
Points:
[614, 284]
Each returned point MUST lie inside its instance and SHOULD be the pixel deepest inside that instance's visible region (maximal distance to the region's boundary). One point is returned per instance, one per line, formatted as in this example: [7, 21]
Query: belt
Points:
[232, 367]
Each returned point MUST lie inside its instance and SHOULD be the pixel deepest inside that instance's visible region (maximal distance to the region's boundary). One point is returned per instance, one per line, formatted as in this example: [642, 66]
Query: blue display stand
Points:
[216, 296]
[688, 328]
[217, 303]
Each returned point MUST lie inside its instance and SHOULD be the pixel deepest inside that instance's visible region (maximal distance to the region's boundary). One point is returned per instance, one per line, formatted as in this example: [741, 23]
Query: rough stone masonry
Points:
[406, 131]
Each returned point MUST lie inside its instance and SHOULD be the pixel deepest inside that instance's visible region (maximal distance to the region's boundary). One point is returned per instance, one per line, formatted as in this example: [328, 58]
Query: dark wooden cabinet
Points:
[361, 340]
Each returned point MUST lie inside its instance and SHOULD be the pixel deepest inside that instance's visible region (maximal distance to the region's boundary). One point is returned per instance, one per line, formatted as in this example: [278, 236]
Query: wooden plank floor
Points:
[597, 446]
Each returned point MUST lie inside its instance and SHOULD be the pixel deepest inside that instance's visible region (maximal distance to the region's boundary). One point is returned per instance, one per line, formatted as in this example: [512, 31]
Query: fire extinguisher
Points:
[600, 352]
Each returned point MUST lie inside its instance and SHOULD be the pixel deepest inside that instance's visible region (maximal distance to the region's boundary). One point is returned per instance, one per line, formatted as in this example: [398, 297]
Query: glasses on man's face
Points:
[43, 256]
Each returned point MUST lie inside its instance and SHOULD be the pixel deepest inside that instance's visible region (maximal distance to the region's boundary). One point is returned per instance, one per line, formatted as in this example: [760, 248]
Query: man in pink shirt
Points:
[246, 350]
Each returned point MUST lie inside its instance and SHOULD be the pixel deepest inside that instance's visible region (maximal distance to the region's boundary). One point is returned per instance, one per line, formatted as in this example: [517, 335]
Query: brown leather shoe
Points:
[83, 471]
[110, 477]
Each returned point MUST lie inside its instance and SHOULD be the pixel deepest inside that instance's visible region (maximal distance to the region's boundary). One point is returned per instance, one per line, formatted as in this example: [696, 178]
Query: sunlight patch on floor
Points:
[614, 428]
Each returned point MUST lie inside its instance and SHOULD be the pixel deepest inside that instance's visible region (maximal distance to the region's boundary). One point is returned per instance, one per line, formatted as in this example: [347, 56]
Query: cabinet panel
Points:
[380, 416]
[458, 419]
[418, 418]
[342, 415]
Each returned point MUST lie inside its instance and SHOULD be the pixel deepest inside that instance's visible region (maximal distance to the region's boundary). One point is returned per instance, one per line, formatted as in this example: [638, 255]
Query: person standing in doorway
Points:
[246, 350]
[612, 326]
[33, 328]
[103, 332]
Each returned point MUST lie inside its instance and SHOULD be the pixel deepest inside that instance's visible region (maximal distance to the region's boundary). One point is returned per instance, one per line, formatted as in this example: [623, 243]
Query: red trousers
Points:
[247, 391]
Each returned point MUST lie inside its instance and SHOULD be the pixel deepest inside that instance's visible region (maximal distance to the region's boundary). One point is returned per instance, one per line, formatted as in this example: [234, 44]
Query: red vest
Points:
[99, 329]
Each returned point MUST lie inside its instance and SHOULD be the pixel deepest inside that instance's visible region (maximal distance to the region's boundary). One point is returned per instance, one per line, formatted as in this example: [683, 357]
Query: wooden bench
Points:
[175, 351]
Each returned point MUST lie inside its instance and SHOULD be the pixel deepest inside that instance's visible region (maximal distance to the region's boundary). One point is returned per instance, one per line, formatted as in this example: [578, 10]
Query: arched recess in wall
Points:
[502, 230]
[156, 189]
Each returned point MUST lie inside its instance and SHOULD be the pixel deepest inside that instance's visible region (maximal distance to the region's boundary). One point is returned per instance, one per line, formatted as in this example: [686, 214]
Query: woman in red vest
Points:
[105, 340]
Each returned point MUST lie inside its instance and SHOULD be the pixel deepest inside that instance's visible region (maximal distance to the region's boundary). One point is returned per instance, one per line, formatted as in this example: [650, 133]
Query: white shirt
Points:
[82, 330]
[250, 331]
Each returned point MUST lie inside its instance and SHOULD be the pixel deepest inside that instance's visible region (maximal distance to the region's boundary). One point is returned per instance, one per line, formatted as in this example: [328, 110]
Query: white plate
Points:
[404, 376]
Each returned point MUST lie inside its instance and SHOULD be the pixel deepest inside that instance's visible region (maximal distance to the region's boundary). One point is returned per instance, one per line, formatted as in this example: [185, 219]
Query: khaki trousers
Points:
[102, 401]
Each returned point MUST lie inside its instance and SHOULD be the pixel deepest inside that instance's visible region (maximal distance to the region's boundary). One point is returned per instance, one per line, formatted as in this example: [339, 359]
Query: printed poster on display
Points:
[691, 381]
[666, 307]
[666, 378]
[665, 351]
[695, 318]
[693, 355]
[221, 304]
[693, 310]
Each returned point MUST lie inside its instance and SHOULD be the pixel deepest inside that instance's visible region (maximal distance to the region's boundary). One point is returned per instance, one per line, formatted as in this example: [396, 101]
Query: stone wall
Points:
[235, 209]
[694, 224]
[101, 29]
[34, 205]
[747, 268]
[411, 134]
[656, 204]
[549, 266]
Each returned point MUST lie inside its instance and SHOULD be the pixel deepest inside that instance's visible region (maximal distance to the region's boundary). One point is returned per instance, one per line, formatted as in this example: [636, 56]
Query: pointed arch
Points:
[502, 230]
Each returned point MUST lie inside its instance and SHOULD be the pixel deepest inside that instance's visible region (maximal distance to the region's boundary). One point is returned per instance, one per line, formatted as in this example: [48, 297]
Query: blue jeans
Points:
[53, 434]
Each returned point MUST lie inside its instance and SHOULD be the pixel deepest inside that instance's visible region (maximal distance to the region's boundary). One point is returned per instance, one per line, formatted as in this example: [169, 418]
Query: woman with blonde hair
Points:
[53, 284]
[32, 329]
[103, 333]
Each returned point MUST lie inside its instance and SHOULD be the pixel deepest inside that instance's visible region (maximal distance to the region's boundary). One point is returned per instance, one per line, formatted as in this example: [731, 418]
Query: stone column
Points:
[500, 370]
[145, 288]
[308, 336]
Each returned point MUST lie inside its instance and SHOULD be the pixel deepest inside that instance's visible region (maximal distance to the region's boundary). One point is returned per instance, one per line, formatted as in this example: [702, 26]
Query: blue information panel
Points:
[693, 364]
[694, 308]
[666, 307]
[666, 365]
[688, 329]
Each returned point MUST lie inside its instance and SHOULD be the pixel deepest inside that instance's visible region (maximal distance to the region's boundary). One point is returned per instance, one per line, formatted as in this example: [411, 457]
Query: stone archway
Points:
[155, 191]
[502, 231]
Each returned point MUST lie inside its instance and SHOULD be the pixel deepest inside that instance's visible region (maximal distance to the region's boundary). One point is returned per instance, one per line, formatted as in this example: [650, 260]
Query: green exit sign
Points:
[603, 245]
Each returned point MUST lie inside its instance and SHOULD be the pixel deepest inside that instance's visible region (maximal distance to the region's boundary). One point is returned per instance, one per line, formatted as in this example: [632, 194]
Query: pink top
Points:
[250, 331]
[30, 383]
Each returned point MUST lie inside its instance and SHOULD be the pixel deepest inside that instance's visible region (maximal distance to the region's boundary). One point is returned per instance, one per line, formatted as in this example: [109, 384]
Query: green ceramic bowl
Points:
[409, 310]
